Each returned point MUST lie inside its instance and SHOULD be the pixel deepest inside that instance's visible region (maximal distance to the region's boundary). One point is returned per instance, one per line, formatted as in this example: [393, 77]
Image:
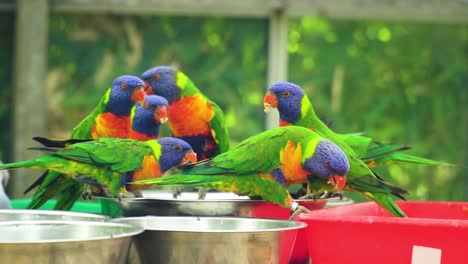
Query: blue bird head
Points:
[161, 80]
[175, 151]
[126, 90]
[328, 161]
[287, 97]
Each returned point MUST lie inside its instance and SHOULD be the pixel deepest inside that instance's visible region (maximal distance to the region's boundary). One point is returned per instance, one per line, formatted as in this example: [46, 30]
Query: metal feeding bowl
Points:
[212, 240]
[65, 241]
[215, 204]
[30, 214]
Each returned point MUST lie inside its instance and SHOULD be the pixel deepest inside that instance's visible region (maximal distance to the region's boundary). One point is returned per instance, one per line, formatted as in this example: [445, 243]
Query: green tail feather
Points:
[387, 202]
[34, 163]
[68, 198]
[251, 185]
[405, 158]
[44, 193]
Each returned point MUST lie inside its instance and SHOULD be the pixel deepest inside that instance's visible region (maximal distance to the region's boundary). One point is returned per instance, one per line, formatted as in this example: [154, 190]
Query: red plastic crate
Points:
[366, 233]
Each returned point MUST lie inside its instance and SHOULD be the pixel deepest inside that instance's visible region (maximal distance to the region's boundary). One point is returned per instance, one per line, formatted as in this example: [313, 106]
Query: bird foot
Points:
[309, 196]
[328, 195]
[299, 209]
[125, 195]
[177, 192]
[87, 194]
[202, 193]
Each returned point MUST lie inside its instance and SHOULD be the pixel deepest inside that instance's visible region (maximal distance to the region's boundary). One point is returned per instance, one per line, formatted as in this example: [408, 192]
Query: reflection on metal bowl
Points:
[213, 240]
[65, 241]
[215, 204]
[31, 214]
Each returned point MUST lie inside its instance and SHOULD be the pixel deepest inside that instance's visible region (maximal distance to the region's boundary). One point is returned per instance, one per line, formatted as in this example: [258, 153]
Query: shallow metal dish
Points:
[65, 241]
[31, 214]
[215, 204]
[212, 240]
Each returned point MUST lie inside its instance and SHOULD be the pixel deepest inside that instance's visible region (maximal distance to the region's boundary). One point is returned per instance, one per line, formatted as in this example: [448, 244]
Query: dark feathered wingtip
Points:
[52, 143]
[395, 190]
[37, 182]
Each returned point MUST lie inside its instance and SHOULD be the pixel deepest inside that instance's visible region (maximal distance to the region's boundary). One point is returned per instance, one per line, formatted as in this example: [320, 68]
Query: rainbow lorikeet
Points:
[263, 165]
[110, 118]
[109, 163]
[146, 118]
[192, 116]
[295, 109]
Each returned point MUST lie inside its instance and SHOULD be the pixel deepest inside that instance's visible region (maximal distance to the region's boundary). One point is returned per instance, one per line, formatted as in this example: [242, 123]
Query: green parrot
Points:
[295, 109]
[192, 116]
[110, 163]
[264, 165]
[110, 118]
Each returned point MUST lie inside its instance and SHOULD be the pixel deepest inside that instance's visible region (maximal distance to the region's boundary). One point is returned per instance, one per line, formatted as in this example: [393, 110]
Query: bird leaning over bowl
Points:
[110, 118]
[264, 165]
[110, 163]
[363, 152]
[193, 117]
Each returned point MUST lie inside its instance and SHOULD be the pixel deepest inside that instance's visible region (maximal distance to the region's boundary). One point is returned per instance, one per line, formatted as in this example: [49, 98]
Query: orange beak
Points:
[160, 115]
[269, 101]
[190, 157]
[338, 181]
[148, 89]
[138, 96]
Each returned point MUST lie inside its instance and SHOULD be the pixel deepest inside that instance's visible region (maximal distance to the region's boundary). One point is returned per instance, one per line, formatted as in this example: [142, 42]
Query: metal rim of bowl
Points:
[133, 230]
[123, 200]
[297, 224]
[54, 213]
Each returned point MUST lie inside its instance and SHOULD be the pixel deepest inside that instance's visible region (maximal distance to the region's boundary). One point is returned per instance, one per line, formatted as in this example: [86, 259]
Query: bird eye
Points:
[123, 85]
[326, 164]
[286, 94]
[156, 76]
[177, 148]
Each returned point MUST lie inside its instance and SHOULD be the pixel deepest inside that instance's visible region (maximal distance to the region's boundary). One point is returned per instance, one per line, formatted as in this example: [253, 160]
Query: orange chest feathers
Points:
[190, 116]
[110, 125]
[291, 164]
[150, 169]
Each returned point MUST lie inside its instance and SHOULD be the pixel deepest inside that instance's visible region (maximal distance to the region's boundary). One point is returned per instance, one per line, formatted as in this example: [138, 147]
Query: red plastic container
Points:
[434, 232]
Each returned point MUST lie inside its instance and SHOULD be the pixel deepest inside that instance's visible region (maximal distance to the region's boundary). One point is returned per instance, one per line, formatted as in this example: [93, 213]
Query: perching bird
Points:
[192, 116]
[146, 118]
[110, 118]
[264, 164]
[4, 200]
[110, 163]
[295, 109]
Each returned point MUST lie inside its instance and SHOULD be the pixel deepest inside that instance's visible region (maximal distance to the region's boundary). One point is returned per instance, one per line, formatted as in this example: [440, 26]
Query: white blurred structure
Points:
[4, 200]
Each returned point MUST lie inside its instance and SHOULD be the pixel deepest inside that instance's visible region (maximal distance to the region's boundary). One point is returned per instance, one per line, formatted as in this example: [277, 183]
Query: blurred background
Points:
[396, 70]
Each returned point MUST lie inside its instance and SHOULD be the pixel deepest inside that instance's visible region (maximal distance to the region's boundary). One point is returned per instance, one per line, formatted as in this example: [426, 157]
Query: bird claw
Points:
[309, 196]
[202, 193]
[299, 209]
[328, 195]
[87, 195]
[125, 195]
[177, 192]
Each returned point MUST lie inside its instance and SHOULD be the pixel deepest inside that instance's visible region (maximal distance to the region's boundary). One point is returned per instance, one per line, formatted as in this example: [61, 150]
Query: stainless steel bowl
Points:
[212, 240]
[30, 214]
[215, 204]
[65, 241]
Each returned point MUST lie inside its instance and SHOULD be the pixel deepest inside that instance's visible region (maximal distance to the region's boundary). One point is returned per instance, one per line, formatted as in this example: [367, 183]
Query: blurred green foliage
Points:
[400, 82]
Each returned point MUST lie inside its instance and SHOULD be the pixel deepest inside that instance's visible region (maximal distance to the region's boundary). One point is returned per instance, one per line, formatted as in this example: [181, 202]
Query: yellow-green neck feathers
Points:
[156, 147]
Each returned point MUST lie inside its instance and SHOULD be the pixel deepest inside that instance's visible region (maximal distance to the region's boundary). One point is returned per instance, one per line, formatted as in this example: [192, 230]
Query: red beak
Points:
[138, 96]
[270, 101]
[339, 181]
[190, 157]
[148, 89]
[160, 115]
